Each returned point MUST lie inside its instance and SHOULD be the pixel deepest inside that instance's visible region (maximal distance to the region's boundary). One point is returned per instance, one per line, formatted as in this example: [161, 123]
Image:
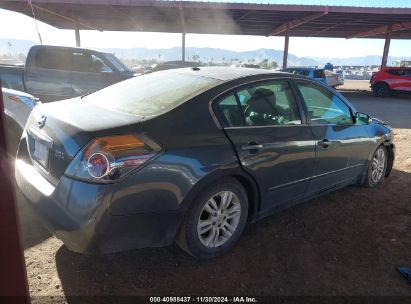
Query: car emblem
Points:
[41, 121]
[59, 154]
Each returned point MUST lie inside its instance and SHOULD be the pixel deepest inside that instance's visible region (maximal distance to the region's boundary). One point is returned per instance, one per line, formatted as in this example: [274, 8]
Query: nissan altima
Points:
[192, 155]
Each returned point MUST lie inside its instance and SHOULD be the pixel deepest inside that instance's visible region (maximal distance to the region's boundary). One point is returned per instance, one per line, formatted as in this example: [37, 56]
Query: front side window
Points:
[116, 62]
[323, 106]
[264, 104]
[87, 63]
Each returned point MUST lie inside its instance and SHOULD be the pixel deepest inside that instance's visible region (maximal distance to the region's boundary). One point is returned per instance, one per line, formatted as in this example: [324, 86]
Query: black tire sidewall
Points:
[381, 86]
[189, 239]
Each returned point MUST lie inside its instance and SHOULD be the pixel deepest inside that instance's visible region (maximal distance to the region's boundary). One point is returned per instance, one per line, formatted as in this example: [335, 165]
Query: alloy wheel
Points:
[219, 219]
[378, 165]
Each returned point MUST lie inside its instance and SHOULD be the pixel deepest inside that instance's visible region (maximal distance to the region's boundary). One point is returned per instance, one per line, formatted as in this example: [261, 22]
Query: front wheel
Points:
[215, 220]
[381, 90]
[377, 168]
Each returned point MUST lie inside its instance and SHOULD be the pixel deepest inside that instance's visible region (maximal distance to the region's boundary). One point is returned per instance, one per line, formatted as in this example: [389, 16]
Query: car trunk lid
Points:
[57, 131]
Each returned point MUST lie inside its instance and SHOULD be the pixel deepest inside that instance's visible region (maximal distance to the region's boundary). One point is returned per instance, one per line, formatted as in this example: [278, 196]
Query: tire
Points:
[207, 209]
[381, 89]
[377, 168]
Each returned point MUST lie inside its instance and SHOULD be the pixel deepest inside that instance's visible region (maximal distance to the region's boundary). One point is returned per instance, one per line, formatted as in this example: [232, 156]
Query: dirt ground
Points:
[344, 243]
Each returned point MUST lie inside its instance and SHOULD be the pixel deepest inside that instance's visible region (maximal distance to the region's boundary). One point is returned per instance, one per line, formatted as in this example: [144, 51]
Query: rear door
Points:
[48, 76]
[342, 146]
[273, 143]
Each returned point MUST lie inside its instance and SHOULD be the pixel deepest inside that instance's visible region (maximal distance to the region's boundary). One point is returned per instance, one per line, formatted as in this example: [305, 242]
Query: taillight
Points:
[31, 102]
[108, 159]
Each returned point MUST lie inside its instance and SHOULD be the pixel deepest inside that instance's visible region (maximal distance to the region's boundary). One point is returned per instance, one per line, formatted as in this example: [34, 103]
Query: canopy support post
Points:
[386, 46]
[286, 42]
[77, 34]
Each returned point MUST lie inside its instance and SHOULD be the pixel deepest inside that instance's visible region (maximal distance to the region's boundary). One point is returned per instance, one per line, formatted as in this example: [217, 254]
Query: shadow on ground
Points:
[344, 243]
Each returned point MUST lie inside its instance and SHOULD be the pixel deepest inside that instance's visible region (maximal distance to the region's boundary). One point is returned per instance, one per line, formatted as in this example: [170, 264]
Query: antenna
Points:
[35, 21]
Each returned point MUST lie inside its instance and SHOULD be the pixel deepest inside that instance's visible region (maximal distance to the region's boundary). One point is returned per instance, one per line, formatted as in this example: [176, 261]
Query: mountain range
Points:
[210, 54]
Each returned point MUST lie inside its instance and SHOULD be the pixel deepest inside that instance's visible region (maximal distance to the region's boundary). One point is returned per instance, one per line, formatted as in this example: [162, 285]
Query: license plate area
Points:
[41, 154]
[39, 148]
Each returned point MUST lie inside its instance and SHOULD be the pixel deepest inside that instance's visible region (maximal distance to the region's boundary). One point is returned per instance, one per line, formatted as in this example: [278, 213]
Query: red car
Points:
[391, 79]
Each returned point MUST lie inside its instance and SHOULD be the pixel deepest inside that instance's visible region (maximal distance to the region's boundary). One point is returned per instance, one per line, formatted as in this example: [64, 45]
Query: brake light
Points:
[98, 165]
[108, 159]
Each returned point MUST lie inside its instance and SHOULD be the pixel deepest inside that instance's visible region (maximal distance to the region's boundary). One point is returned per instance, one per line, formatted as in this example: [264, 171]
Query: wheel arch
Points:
[382, 82]
[391, 156]
[249, 184]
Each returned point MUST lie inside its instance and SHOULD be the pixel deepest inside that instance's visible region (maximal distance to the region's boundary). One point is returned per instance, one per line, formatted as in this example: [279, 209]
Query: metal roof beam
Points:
[296, 22]
[74, 21]
[382, 30]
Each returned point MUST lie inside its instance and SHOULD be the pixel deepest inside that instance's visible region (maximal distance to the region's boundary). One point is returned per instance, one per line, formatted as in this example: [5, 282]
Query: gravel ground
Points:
[344, 243]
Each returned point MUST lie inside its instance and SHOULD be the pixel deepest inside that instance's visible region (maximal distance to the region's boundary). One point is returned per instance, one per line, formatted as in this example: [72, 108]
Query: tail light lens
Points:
[109, 159]
[31, 102]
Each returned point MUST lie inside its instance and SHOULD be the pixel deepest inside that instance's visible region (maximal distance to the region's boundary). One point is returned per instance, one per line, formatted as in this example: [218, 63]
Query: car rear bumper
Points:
[78, 214]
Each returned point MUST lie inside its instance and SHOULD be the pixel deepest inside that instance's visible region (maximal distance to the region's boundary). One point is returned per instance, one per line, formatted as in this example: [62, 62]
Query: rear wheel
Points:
[377, 168]
[215, 220]
[381, 90]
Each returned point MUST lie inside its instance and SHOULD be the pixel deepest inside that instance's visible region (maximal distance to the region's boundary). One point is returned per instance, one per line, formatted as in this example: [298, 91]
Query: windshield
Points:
[116, 63]
[151, 94]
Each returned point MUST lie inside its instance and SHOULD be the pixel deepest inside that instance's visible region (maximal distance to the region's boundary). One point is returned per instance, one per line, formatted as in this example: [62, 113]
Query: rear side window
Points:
[53, 59]
[264, 104]
[323, 106]
[151, 94]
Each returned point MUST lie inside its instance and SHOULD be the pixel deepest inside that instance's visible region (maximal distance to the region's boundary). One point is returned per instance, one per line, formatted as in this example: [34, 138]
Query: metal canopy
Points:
[219, 18]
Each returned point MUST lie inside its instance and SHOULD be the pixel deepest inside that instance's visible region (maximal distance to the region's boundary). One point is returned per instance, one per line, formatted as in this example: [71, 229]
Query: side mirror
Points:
[106, 69]
[362, 118]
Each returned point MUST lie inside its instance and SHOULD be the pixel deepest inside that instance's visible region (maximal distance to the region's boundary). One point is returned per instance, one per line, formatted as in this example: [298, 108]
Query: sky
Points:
[22, 27]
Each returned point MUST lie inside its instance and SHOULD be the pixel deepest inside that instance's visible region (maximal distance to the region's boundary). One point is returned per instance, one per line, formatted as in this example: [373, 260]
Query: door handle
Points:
[251, 146]
[324, 143]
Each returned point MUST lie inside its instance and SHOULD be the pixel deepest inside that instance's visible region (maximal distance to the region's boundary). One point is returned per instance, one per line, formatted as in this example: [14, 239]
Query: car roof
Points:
[70, 48]
[224, 73]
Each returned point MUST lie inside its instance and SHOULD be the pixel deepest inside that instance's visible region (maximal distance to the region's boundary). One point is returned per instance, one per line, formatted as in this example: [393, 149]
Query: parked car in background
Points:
[178, 64]
[334, 79]
[17, 108]
[54, 73]
[316, 74]
[391, 80]
[141, 69]
[192, 155]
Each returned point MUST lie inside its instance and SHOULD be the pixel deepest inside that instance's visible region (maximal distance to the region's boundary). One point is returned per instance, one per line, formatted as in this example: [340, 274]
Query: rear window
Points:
[151, 94]
[53, 59]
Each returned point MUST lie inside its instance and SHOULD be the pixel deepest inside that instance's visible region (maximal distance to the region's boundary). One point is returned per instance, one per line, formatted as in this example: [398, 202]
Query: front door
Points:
[342, 146]
[272, 143]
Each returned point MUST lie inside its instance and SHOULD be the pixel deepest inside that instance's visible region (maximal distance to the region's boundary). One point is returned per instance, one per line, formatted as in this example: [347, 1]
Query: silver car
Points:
[17, 108]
